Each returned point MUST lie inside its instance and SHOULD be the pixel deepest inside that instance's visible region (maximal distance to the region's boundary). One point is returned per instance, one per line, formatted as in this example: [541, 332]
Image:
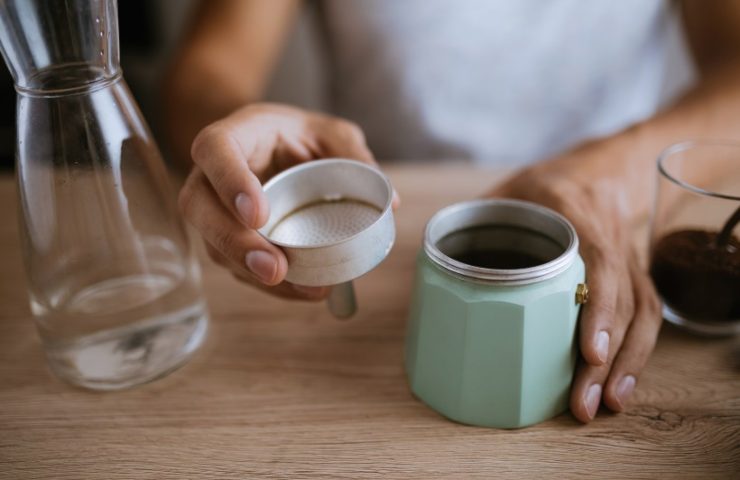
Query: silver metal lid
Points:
[516, 214]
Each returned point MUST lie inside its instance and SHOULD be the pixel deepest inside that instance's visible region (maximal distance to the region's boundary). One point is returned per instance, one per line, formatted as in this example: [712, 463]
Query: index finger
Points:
[341, 138]
[224, 162]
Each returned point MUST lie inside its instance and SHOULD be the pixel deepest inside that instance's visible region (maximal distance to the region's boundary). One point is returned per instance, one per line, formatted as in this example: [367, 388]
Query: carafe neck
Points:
[56, 46]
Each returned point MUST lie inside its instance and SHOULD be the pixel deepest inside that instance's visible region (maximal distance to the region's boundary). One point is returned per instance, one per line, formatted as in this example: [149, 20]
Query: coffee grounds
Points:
[696, 277]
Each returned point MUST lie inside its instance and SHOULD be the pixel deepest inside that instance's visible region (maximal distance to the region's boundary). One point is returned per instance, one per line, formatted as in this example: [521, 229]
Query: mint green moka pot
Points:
[492, 328]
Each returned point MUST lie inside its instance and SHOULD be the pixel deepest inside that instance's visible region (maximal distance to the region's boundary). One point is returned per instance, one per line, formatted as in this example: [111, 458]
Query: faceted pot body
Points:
[492, 355]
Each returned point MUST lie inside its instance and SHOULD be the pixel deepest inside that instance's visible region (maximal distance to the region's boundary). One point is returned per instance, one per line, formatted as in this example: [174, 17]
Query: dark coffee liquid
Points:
[498, 258]
[499, 247]
[696, 277]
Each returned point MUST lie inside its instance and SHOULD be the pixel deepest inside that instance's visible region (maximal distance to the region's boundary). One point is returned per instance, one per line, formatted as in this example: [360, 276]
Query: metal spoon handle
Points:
[341, 301]
[723, 239]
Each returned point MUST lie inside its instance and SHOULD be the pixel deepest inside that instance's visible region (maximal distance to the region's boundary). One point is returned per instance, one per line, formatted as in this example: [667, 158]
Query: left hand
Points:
[619, 325]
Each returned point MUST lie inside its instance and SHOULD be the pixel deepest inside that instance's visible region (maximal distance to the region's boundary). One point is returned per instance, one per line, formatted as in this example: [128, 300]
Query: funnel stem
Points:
[342, 302]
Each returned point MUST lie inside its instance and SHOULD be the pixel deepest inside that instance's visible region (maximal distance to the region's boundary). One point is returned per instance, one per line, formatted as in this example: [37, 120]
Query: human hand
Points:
[619, 325]
[223, 198]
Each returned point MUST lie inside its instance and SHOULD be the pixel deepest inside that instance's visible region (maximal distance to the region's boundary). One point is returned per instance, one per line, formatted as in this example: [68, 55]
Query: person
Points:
[581, 96]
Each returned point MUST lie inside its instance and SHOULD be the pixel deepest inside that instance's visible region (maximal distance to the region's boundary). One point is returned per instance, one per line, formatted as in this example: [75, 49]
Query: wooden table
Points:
[282, 390]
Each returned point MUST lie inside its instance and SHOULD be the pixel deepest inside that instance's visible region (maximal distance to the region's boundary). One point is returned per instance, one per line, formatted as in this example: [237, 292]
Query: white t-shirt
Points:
[502, 82]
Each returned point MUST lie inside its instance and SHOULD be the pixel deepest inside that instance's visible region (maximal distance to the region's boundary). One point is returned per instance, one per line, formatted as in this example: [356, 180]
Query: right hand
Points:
[223, 198]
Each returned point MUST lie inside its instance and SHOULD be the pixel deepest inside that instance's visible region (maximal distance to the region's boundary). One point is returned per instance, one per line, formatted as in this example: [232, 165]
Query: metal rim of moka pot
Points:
[502, 213]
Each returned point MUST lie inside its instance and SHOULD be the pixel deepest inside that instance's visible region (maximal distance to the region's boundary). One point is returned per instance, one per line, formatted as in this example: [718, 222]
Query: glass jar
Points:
[694, 250]
[113, 282]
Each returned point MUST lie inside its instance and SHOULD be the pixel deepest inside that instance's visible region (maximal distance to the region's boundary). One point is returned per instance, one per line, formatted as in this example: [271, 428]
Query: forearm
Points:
[624, 165]
[198, 92]
[224, 63]
[709, 111]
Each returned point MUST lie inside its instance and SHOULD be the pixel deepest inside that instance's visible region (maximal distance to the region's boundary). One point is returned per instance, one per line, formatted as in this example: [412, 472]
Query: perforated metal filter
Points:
[324, 223]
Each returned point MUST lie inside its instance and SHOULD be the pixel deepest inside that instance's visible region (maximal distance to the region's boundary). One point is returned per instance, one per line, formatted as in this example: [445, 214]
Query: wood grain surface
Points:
[282, 390]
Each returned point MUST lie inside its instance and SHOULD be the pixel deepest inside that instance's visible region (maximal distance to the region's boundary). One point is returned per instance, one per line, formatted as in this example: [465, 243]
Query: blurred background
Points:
[149, 32]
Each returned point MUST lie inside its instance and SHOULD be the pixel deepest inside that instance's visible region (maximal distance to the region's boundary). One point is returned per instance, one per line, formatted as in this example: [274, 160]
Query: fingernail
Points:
[593, 398]
[262, 264]
[624, 389]
[310, 291]
[602, 345]
[396, 199]
[245, 208]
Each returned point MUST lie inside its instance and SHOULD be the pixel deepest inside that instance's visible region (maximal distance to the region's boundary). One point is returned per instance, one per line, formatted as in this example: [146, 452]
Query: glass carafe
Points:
[113, 282]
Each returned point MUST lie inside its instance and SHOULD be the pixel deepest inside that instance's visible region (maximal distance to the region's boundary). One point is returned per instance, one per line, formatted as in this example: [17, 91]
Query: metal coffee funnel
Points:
[333, 219]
